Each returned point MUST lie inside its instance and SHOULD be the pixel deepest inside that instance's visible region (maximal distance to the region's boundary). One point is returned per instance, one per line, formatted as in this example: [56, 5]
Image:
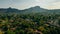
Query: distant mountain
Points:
[32, 9]
[55, 10]
[9, 10]
[35, 9]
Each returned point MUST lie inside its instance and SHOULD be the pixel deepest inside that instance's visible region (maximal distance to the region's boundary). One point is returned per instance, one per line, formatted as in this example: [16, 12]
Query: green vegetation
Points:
[29, 24]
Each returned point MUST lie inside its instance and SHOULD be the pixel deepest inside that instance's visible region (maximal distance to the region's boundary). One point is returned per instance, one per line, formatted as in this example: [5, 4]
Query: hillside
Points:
[34, 20]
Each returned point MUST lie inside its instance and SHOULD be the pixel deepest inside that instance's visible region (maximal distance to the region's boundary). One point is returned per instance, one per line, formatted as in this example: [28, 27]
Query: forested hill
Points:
[34, 20]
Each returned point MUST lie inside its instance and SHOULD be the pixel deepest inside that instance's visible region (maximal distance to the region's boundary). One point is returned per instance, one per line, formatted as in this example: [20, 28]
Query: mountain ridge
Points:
[30, 10]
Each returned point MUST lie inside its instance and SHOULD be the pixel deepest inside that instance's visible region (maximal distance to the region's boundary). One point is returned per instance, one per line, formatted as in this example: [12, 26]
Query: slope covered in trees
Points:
[34, 20]
[29, 24]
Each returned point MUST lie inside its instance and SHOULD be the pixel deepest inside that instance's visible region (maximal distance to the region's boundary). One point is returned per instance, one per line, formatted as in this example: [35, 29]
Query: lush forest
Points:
[34, 20]
[29, 23]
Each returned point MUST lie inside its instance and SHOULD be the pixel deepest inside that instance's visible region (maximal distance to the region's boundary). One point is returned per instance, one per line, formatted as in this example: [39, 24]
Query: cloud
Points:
[55, 5]
[22, 4]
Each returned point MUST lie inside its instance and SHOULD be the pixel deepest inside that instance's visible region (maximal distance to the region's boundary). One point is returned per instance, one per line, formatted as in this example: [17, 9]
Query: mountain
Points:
[36, 9]
[32, 9]
[55, 10]
[9, 10]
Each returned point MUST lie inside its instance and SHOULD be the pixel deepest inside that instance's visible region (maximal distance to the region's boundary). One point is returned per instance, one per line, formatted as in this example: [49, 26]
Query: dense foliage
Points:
[29, 24]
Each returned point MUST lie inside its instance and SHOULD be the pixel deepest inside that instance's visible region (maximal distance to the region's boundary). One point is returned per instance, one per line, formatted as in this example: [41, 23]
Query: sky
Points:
[24, 4]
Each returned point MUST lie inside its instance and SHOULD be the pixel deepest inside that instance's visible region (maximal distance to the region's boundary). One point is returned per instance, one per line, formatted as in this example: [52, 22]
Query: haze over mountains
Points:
[35, 9]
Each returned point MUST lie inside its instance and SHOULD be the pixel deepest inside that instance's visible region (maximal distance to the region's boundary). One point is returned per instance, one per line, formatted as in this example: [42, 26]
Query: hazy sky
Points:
[22, 4]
